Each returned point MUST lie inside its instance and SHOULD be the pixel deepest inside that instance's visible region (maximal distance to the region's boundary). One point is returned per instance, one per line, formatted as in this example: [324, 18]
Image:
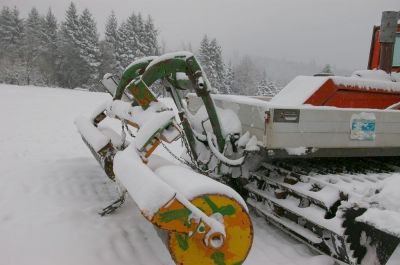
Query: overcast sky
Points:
[336, 32]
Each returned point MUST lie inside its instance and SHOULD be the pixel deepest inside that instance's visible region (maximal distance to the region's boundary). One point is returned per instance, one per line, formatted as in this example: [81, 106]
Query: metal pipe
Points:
[387, 37]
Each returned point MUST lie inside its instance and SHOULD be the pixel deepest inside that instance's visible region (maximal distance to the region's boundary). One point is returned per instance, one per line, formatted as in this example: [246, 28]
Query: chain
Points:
[183, 161]
[193, 163]
[123, 134]
[129, 131]
[187, 147]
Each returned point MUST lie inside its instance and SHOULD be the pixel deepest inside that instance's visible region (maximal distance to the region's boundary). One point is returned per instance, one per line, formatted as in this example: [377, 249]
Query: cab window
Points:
[396, 54]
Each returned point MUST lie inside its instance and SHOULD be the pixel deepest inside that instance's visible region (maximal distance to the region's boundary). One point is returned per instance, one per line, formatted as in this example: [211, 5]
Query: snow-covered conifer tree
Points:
[266, 87]
[47, 64]
[70, 27]
[32, 46]
[141, 47]
[111, 29]
[150, 38]
[123, 50]
[217, 65]
[262, 88]
[71, 67]
[127, 46]
[204, 56]
[210, 57]
[109, 47]
[11, 32]
[327, 70]
[89, 47]
[246, 76]
[228, 80]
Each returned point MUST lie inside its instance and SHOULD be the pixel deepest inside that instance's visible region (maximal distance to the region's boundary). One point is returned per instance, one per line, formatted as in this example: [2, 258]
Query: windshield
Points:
[396, 54]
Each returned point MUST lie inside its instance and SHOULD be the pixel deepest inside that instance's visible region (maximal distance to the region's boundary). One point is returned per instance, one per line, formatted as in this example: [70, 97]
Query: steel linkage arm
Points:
[166, 67]
[133, 71]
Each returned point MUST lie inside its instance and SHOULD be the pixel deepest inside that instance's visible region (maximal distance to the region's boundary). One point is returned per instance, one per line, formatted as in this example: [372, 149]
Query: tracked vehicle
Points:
[319, 160]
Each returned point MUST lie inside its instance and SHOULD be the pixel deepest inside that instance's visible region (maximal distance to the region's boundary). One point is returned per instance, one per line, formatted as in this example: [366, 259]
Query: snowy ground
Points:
[51, 189]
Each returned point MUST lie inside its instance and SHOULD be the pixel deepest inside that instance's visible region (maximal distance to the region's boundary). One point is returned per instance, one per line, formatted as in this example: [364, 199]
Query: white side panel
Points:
[331, 128]
[320, 127]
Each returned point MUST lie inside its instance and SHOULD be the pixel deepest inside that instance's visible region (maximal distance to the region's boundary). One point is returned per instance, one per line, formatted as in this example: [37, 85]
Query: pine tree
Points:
[32, 46]
[70, 64]
[38, 51]
[48, 65]
[122, 48]
[136, 38]
[70, 27]
[150, 38]
[132, 39]
[228, 80]
[327, 70]
[262, 89]
[266, 87]
[11, 29]
[210, 57]
[127, 48]
[108, 60]
[89, 47]
[204, 56]
[108, 49]
[11, 32]
[217, 65]
[246, 76]
[273, 87]
[111, 29]
[141, 46]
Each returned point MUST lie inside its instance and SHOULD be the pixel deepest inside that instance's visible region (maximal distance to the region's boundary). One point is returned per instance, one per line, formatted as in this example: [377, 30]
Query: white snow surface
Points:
[141, 60]
[396, 77]
[298, 90]
[169, 56]
[191, 184]
[367, 83]
[149, 128]
[124, 110]
[387, 214]
[148, 191]
[150, 120]
[230, 123]
[52, 189]
[95, 138]
[297, 151]
[372, 75]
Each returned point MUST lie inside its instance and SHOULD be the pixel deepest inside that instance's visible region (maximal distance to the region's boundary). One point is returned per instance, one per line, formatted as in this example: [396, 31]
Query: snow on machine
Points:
[202, 221]
[317, 160]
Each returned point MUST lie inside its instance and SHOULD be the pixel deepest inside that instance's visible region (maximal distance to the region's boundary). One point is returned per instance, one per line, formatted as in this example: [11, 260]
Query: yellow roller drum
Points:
[191, 249]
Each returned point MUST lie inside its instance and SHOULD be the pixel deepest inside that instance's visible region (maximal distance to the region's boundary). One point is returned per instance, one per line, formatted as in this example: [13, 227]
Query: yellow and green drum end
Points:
[191, 249]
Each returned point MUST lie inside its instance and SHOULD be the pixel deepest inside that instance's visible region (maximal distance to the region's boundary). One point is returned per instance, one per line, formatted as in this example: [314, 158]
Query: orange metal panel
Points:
[376, 51]
[330, 94]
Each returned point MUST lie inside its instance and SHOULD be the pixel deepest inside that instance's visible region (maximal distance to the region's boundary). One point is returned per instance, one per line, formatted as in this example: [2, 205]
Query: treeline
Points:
[39, 50]
[244, 78]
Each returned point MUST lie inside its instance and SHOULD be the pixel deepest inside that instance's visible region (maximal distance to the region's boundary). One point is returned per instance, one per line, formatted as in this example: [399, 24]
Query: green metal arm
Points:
[133, 71]
[141, 74]
[166, 67]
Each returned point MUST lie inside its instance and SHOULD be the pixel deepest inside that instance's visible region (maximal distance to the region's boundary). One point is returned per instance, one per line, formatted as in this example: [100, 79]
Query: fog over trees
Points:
[40, 50]
[69, 53]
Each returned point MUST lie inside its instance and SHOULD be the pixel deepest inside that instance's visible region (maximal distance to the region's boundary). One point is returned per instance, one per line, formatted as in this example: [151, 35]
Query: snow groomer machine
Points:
[320, 160]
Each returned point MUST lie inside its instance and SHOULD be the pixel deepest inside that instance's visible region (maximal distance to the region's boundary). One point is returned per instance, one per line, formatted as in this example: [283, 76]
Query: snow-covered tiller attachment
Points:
[202, 221]
[321, 159]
